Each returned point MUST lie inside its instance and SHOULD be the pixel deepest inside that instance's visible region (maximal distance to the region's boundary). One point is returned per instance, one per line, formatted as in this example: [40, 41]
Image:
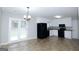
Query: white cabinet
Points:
[53, 32]
[68, 34]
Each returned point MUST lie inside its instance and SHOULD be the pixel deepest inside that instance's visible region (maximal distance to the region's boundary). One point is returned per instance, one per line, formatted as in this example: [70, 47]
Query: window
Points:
[17, 29]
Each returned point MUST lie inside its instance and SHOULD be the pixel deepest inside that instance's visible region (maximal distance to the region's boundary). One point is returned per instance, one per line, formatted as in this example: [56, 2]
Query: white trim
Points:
[16, 41]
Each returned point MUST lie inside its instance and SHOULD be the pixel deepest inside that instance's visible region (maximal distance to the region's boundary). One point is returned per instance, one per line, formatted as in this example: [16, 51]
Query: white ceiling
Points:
[48, 12]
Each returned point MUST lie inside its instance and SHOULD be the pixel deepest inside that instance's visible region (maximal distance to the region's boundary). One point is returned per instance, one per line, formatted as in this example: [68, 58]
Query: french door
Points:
[17, 29]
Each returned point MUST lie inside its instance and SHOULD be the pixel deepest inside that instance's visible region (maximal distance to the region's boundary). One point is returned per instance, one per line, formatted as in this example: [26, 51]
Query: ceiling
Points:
[48, 12]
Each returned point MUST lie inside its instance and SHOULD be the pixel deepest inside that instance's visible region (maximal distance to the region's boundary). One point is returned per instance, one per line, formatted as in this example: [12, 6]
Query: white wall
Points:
[56, 22]
[78, 23]
[5, 25]
[78, 27]
[43, 20]
[75, 28]
[0, 24]
[32, 29]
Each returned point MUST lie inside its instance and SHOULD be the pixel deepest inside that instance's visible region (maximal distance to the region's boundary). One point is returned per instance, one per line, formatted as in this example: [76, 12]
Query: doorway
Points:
[17, 29]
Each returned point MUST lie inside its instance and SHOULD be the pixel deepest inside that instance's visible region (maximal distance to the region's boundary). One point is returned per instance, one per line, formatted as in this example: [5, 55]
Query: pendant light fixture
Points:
[27, 17]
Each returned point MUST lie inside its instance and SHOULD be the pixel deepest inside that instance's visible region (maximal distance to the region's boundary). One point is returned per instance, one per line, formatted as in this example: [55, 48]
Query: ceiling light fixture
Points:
[57, 16]
[27, 16]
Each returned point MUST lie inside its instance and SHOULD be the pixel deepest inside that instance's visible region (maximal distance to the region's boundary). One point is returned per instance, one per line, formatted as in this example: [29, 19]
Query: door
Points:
[17, 29]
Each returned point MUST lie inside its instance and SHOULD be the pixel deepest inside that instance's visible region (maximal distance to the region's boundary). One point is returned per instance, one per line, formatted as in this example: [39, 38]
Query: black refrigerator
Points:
[42, 31]
[61, 30]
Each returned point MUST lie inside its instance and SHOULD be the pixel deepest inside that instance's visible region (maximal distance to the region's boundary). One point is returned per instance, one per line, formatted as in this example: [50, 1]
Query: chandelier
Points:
[27, 16]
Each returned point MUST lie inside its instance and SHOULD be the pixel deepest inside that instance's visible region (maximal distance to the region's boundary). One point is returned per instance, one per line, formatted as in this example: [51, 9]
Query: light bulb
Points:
[29, 16]
[57, 16]
[24, 16]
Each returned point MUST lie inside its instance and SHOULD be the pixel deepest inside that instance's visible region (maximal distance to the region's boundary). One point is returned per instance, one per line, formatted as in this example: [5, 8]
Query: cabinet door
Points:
[68, 34]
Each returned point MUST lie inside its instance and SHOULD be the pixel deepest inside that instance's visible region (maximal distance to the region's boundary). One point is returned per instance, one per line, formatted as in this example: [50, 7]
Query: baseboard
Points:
[76, 38]
[65, 38]
[17, 41]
